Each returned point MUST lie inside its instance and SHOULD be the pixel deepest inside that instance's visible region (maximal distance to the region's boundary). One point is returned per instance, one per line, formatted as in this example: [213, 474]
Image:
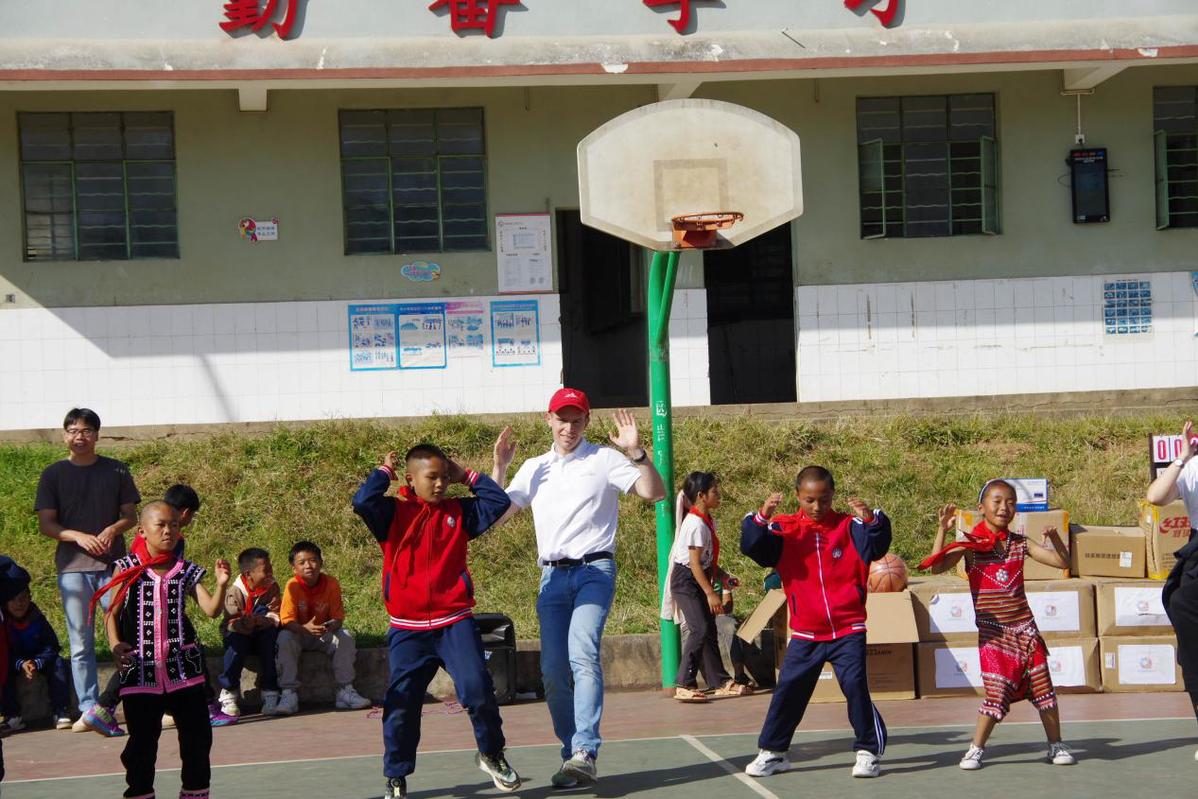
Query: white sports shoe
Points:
[270, 703]
[1059, 755]
[349, 699]
[973, 758]
[288, 703]
[767, 763]
[866, 765]
[228, 702]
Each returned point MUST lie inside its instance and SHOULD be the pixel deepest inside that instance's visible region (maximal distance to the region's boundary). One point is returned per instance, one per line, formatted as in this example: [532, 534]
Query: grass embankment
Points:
[274, 489]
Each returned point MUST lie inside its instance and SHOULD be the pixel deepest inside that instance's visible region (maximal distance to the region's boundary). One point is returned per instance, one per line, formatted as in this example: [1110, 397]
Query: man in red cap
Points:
[574, 491]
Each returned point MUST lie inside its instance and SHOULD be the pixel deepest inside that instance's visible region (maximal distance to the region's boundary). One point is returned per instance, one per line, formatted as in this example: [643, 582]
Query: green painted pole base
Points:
[663, 271]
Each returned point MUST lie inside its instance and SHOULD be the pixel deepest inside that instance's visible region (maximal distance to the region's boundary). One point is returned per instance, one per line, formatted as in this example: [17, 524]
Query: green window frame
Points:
[1175, 148]
[98, 186]
[928, 165]
[413, 180]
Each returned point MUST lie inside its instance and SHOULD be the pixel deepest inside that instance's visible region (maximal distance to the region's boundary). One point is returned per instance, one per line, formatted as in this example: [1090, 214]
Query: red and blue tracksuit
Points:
[32, 639]
[429, 597]
[824, 566]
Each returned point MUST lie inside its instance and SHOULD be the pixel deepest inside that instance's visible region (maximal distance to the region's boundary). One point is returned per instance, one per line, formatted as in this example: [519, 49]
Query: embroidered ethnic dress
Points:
[1013, 656]
[166, 651]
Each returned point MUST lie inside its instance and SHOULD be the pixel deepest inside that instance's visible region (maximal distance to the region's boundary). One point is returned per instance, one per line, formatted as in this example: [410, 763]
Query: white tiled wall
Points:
[983, 337]
[243, 362]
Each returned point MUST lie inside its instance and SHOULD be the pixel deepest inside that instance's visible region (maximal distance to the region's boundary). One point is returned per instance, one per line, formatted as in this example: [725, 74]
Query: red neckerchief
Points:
[125, 578]
[982, 539]
[252, 595]
[715, 541]
[139, 548]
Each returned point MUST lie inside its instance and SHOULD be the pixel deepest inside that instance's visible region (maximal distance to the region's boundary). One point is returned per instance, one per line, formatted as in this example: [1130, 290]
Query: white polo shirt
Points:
[1187, 489]
[574, 498]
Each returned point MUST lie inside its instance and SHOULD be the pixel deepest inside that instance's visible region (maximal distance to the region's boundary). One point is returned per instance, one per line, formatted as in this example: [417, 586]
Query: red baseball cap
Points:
[569, 398]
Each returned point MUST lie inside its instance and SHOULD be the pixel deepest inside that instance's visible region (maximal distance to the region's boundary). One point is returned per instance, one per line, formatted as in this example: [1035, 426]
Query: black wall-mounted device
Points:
[1091, 194]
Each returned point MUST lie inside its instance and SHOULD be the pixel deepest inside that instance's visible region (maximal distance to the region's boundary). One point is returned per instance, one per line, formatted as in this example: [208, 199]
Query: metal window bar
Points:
[1160, 146]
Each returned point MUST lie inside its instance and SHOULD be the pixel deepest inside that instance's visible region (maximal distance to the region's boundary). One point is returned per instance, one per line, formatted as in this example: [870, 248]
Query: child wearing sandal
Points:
[693, 595]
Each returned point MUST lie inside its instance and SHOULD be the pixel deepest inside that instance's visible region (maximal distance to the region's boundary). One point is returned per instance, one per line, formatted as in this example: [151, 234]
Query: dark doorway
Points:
[750, 320]
[601, 282]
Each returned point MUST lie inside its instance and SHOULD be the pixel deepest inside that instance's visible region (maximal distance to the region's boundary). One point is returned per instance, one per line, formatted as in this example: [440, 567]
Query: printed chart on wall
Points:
[397, 336]
[465, 322]
[524, 250]
[515, 333]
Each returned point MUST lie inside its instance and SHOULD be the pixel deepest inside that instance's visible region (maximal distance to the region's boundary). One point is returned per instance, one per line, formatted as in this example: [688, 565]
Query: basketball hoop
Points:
[699, 231]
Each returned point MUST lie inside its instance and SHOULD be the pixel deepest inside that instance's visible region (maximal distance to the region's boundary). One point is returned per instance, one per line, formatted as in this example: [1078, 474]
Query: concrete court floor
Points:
[1127, 743]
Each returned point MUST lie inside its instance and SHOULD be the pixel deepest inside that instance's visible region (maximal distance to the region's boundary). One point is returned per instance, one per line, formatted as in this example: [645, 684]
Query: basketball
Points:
[888, 574]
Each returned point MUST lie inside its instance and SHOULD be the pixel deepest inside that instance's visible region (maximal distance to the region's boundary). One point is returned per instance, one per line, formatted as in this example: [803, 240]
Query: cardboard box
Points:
[1138, 664]
[954, 669]
[1166, 530]
[1107, 551]
[1032, 525]
[1063, 609]
[1131, 607]
[944, 610]
[1031, 493]
[762, 616]
[891, 669]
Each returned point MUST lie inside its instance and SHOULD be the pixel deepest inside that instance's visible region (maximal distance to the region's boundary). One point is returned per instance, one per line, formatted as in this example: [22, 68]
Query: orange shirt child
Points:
[317, 603]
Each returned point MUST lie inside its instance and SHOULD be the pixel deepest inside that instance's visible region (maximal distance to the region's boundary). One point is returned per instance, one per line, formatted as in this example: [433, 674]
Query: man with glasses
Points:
[85, 502]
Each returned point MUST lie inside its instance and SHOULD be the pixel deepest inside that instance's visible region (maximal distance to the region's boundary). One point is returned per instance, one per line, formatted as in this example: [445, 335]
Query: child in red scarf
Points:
[157, 653]
[1013, 656]
[251, 627]
[693, 591]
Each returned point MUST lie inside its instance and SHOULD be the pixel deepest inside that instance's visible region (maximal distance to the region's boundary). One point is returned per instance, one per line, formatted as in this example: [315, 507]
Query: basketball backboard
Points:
[643, 168]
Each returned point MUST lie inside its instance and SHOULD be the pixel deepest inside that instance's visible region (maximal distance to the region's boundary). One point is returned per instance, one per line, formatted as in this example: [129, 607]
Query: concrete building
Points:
[386, 144]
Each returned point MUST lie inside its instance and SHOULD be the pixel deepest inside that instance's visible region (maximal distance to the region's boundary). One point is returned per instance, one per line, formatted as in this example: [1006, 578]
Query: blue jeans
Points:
[572, 606]
[77, 590]
[239, 646]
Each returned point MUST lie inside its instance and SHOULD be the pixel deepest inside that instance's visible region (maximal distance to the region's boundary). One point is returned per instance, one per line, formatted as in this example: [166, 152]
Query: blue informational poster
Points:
[515, 333]
[1126, 307]
[397, 336]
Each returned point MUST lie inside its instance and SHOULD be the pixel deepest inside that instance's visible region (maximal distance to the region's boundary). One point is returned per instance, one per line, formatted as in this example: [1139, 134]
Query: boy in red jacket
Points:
[823, 557]
[429, 596]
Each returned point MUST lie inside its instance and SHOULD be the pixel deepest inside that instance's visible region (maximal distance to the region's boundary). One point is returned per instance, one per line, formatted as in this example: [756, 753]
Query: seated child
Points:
[251, 627]
[312, 619]
[429, 596]
[158, 654]
[32, 647]
[823, 558]
[1013, 656]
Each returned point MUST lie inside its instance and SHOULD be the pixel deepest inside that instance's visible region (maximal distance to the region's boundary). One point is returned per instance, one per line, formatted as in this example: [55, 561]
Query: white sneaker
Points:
[228, 702]
[11, 724]
[270, 703]
[349, 699]
[62, 722]
[973, 758]
[866, 765]
[767, 763]
[1060, 755]
[288, 703]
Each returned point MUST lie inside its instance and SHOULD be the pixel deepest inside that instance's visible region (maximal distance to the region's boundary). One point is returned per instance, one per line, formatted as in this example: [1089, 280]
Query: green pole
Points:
[663, 271]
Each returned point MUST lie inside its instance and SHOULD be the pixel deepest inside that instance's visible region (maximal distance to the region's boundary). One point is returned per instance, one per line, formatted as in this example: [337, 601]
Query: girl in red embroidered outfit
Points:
[1013, 656]
[158, 653]
[693, 591]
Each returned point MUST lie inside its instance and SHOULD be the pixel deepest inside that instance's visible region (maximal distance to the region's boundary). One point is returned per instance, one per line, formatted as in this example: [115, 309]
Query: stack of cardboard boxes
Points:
[1103, 621]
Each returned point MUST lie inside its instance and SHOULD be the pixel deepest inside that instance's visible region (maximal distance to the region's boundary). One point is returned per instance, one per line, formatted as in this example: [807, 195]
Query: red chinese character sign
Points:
[473, 15]
[252, 14]
[684, 12]
[885, 15]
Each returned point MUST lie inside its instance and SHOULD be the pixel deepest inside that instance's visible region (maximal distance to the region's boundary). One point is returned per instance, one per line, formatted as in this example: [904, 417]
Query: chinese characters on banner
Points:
[251, 14]
[397, 336]
[466, 336]
[483, 15]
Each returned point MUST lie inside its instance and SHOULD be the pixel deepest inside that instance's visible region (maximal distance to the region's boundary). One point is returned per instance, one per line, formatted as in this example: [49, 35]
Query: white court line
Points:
[753, 785]
[691, 739]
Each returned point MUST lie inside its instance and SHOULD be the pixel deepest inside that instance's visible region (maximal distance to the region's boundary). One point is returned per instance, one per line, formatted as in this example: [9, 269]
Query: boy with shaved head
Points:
[429, 595]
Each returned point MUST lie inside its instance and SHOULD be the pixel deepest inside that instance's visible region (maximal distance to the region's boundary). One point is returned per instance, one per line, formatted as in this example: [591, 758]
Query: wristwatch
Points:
[643, 458]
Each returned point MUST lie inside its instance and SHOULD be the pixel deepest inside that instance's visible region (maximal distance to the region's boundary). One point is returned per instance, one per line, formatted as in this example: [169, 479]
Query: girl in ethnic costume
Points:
[1014, 658]
[159, 655]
